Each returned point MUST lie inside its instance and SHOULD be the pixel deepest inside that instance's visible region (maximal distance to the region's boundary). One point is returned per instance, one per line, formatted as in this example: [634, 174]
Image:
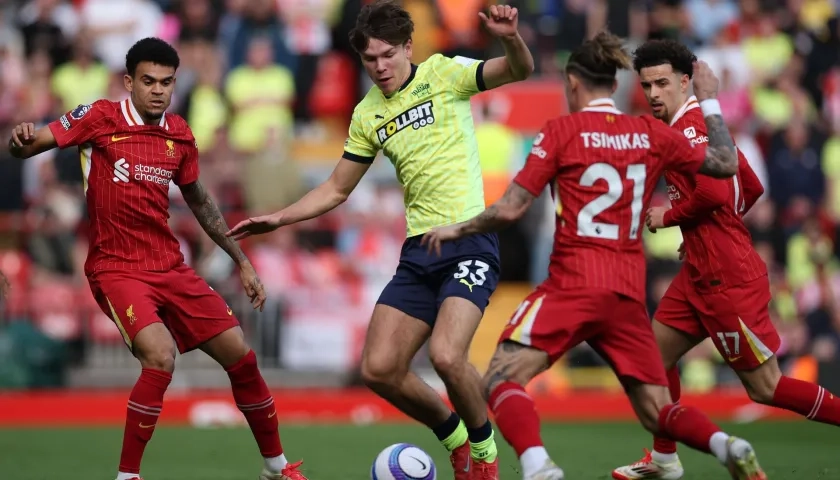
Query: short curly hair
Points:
[152, 50]
[383, 20]
[661, 52]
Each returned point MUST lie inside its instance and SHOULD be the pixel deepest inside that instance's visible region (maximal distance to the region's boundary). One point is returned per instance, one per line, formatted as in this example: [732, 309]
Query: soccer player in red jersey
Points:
[722, 290]
[130, 151]
[603, 167]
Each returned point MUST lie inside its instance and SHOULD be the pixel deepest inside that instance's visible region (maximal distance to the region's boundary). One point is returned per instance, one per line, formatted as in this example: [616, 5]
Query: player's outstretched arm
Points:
[27, 142]
[721, 155]
[507, 210]
[518, 63]
[211, 220]
[318, 201]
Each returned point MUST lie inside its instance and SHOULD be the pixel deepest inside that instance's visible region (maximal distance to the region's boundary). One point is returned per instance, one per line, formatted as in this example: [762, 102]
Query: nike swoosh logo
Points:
[146, 426]
[734, 359]
[115, 138]
[230, 312]
[273, 414]
[421, 462]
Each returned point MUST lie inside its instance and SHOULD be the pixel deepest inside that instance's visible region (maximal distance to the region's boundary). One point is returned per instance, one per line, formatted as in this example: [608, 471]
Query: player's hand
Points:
[681, 251]
[705, 82]
[503, 20]
[23, 134]
[253, 286]
[655, 218]
[434, 238]
[254, 226]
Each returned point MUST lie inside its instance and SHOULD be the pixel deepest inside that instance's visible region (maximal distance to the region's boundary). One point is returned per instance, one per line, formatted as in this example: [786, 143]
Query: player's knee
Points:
[446, 362]
[157, 358]
[382, 371]
[154, 347]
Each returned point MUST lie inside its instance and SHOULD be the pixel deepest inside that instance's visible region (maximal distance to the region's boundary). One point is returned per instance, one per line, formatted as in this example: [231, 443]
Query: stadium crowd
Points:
[263, 83]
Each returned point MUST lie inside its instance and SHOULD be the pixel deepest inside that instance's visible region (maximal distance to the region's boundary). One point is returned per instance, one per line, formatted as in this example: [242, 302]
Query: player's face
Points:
[666, 90]
[151, 88]
[387, 65]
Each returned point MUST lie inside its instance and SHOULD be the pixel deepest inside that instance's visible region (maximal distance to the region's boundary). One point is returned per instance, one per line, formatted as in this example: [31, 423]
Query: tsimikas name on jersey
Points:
[622, 141]
[417, 116]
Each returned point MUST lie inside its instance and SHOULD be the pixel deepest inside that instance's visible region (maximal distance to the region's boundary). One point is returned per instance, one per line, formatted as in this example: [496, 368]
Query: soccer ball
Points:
[403, 461]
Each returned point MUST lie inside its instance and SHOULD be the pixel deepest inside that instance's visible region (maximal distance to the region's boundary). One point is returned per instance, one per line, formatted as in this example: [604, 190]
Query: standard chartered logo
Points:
[123, 172]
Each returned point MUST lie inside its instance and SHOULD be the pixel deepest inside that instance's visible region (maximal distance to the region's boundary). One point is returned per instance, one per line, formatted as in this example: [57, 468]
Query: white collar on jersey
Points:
[689, 104]
[605, 105]
[133, 118]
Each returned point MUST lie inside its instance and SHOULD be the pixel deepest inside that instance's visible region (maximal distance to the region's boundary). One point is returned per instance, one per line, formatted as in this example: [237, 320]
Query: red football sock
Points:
[808, 399]
[516, 416]
[661, 444]
[255, 401]
[687, 425]
[144, 406]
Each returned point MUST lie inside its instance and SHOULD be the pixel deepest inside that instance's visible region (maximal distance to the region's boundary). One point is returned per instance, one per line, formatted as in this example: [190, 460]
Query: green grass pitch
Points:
[787, 450]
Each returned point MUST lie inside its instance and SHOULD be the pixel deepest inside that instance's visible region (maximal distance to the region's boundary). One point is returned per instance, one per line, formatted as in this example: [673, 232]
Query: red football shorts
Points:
[737, 319]
[180, 299]
[615, 326]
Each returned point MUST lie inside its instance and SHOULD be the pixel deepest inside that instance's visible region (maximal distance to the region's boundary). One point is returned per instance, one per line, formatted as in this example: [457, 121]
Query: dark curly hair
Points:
[383, 20]
[152, 50]
[664, 52]
[596, 61]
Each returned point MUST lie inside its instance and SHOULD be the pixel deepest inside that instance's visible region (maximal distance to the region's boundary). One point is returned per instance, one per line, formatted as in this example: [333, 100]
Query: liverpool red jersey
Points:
[718, 246]
[127, 168]
[603, 167]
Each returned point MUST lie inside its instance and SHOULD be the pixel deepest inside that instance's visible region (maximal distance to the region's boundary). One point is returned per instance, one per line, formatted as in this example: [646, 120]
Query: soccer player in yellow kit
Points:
[420, 117]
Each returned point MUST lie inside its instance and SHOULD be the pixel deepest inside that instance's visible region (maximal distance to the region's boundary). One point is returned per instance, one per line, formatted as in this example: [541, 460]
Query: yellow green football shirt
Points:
[426, 130]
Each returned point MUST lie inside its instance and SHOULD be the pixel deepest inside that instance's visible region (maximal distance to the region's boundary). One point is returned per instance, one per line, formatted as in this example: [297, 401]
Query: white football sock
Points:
[532, 460]
[663, 457]
[127, 476]
[717, 444]
[276, 464]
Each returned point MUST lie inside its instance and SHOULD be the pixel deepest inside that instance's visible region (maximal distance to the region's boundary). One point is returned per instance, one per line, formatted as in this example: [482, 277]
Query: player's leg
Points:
[401, 323]
[200, 318]
[744, 334]
[464, 293]
[132, 305]
[539, 332]
[677, 330]
[629, 346]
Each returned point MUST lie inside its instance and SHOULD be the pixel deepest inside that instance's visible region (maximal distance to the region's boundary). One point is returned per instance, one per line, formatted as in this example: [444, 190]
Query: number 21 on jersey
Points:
[587, 226]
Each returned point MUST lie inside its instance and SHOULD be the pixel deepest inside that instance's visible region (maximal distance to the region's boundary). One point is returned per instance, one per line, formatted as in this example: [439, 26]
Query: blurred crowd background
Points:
[268, 87]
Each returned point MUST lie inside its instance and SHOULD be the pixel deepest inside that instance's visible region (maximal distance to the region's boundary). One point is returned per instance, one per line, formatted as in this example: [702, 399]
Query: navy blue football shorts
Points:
[467, 268]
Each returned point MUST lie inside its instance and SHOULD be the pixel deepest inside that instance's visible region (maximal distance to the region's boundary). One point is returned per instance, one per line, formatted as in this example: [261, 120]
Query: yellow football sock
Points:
[457, 438]
[484, 451]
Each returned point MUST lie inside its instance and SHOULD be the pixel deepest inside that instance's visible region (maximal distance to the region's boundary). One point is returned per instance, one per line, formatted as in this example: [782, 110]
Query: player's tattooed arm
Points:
[211, 220]
[721, 155]
[507, 210]
[513, 204]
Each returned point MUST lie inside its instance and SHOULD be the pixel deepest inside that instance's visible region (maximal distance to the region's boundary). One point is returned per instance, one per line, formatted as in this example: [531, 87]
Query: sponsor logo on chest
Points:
[416, 117]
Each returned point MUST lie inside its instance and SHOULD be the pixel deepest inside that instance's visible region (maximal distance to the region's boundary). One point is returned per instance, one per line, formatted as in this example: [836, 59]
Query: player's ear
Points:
[128, 82]
[685, 82]
[614, 86]
[408, 50]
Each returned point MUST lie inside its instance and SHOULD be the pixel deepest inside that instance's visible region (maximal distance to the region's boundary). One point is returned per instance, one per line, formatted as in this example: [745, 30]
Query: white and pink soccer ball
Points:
[403, 461]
